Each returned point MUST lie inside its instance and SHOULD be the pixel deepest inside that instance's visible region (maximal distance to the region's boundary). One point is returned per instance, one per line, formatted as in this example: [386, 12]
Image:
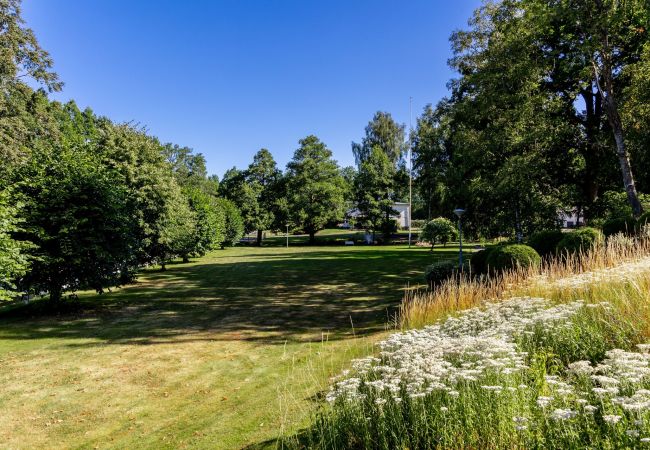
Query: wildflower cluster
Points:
[478, 343]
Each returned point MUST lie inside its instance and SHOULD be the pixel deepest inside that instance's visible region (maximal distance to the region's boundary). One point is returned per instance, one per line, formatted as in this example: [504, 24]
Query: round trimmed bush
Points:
[512, 256]
[440, 271]
[580, 240]
[478, 261]
[625, 225]
[545, 242]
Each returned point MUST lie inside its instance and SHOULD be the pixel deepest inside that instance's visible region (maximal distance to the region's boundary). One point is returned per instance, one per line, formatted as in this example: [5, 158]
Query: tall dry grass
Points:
[420, 308]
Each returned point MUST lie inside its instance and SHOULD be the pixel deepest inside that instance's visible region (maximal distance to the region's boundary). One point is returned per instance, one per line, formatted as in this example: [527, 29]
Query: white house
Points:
[403, 215]
[569, 219]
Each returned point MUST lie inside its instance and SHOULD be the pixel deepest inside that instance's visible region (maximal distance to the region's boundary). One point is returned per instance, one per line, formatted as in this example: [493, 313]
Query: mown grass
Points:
[228, 351]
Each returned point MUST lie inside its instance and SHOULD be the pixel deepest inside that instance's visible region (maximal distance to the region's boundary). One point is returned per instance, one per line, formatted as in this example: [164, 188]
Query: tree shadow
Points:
[279, 298]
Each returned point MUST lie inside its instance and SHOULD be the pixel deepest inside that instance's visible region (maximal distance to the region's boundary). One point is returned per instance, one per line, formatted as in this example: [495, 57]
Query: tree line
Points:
[548, 112]
[86, 202]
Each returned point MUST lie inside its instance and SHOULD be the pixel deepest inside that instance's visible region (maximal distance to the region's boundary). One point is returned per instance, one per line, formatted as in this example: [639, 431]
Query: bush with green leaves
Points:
[13, 260]
[544, 242]
[580, 240]
[418, 223]
[234, 224]
[438, 230]
[440, 271]
[478, 260]
[615, 225]
[512, 256]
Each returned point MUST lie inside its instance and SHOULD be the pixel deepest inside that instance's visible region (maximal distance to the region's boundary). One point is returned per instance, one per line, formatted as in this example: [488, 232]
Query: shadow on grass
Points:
[292, 296]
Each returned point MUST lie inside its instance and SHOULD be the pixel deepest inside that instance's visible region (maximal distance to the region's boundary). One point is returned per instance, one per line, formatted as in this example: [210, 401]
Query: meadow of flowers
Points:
[570, 370]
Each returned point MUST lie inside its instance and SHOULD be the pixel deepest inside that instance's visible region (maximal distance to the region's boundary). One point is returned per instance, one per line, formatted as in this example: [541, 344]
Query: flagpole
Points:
[410, 167]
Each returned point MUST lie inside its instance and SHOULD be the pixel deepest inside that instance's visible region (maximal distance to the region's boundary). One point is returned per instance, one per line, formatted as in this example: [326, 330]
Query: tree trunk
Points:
[55, 293]
[186, 259]
[611, 109]
[312, 237]
[163, 268]
[259, 238]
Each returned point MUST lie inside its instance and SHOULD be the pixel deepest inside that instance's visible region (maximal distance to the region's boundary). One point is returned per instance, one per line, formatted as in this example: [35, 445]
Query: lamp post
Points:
[287, 235]
[459, 212]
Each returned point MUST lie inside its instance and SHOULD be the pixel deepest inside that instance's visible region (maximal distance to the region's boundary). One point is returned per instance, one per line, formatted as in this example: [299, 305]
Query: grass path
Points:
[223, 352]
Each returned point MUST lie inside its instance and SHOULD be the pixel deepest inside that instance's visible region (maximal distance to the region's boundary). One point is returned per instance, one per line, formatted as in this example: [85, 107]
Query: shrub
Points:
[545, 242]
[625, 225]
[511, 256]
[440, 271]
[438, 230]
[478, 261]
[579, 240]
[418, 223]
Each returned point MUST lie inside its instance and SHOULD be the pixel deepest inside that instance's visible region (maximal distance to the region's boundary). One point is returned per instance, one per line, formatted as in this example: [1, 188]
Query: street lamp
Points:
[459, 212]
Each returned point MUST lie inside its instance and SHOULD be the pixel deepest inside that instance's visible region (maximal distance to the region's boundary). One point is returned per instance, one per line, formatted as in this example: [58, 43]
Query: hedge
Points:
[580, 240]
[545, 242]
[512, 256]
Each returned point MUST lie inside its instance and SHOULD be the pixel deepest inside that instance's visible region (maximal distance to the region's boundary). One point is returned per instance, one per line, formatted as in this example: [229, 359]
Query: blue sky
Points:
[227, 78]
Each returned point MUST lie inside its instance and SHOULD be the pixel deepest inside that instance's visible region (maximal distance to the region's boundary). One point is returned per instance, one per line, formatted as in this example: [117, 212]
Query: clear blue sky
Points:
[227, 78]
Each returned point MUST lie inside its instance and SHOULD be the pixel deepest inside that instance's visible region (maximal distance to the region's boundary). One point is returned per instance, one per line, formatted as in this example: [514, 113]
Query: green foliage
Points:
[384, 133]
[13, 259]
[177, 234]
[625, 225]
[374, 190]
[233, 223]
[438, 230]
[76, 213]
[580, 240]
[545, 242]
[440, 271]
[512, 256]
[315, 187]
[209, 219]
[418, 223]
[614, 204]
[478, 260]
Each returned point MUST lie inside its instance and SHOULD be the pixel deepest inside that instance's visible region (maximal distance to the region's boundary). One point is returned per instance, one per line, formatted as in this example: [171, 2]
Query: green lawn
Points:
[222, 352]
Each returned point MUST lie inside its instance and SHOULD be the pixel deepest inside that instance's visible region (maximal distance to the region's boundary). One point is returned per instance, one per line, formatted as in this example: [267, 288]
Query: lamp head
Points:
[459, 212]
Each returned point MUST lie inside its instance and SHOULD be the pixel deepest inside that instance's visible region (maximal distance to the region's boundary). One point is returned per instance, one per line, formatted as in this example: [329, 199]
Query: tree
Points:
[383, 132]
[22, 58]
[381, 171]
[601, 38]
[233, 223]
[431, 156]
[76, 213]
[438, 230]
[261, 176]
[315, 187]
[374, 191]
[209, 221]
[13, 258]
[178, 232]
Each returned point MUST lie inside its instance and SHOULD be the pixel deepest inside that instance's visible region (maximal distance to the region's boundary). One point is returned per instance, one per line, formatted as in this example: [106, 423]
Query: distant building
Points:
[569, 219]
[403, 215]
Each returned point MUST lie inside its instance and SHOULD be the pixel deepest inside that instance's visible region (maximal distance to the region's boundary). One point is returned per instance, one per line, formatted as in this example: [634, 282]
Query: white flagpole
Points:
[410, 167]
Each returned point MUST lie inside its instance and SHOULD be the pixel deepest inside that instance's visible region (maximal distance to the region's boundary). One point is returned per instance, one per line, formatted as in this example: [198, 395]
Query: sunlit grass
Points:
[224, 352]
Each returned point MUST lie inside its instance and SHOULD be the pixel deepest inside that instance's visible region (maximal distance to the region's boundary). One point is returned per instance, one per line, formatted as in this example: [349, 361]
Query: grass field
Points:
[224, 352]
